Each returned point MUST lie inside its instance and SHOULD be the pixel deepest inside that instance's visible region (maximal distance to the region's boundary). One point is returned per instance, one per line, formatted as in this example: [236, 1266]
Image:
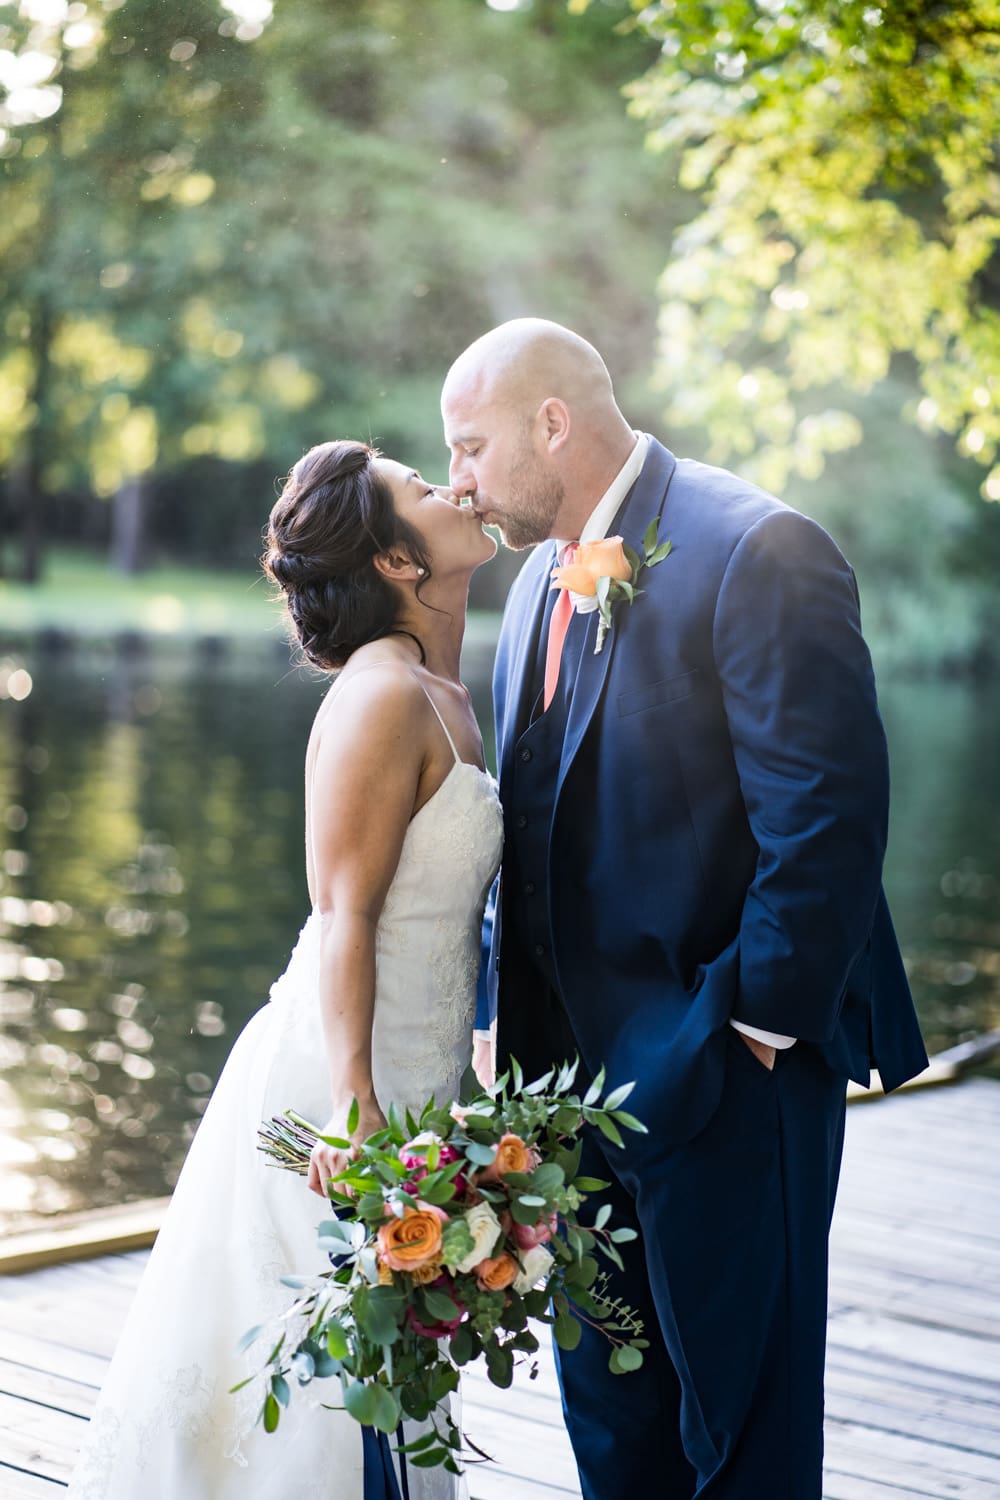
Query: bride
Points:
[403, 837]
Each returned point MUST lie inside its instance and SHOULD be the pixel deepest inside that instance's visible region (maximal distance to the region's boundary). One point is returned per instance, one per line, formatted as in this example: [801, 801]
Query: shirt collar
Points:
[610, 503]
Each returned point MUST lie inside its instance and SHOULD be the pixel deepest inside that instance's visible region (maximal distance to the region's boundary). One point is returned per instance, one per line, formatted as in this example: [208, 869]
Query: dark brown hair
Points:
[334, 516]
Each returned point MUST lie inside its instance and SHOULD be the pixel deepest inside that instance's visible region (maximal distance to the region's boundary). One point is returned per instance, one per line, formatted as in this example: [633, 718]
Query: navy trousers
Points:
[729, 1273]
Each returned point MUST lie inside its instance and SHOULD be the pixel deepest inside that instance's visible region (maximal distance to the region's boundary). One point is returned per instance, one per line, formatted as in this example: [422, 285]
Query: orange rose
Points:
[594, 560]
[576, 577]
[512, 1155]
[414, 1240]
[497, 1273]
[425, 1274]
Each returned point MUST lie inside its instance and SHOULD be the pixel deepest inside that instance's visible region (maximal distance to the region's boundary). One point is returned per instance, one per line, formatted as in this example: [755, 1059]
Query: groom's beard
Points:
[534, 499]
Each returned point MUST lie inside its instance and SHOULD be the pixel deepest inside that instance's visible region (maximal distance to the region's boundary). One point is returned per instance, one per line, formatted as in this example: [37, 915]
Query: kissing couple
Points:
[691, 812]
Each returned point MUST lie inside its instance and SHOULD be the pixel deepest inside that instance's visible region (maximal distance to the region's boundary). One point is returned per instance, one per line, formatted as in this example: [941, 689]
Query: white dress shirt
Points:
[595, 530]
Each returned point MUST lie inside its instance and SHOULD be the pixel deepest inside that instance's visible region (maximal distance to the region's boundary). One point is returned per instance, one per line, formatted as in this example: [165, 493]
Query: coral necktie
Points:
[562, 613]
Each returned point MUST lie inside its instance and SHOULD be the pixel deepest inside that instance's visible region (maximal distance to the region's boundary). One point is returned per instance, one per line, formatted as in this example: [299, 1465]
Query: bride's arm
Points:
[364, 785]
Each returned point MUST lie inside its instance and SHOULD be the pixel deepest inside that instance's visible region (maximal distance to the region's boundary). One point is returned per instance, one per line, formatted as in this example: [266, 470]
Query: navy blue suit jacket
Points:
[719, 821]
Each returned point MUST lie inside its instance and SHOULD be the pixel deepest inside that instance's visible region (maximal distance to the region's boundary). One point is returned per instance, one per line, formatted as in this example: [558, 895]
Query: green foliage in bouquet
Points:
[455, 1232]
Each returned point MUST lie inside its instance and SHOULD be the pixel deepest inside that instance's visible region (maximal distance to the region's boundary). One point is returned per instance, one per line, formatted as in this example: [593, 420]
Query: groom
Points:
[691, 894]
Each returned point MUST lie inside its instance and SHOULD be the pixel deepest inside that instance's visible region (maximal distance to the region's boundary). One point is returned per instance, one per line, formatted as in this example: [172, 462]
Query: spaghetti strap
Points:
[447, 732]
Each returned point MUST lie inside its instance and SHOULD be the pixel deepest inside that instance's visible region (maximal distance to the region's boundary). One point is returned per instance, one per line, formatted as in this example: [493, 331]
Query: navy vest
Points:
[530, 800]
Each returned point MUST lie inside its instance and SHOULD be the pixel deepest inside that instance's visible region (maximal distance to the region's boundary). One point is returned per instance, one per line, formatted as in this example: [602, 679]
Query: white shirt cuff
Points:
[769, 1038]
[482, 1036]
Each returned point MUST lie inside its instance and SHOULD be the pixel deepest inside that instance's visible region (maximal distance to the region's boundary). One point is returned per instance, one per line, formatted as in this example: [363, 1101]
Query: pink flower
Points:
[527, 1236]
[459, 1115]
[415, 1162]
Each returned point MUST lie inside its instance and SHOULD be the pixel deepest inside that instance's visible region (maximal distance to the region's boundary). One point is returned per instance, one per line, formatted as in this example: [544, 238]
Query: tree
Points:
[260, 235]
[844, 152]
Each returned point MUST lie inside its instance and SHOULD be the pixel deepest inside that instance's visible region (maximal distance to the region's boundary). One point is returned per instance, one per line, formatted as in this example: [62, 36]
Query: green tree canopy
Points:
[845, 156]
[234, 229]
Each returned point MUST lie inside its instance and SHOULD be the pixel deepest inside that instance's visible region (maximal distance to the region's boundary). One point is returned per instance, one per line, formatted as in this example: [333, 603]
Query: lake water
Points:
[152, 885]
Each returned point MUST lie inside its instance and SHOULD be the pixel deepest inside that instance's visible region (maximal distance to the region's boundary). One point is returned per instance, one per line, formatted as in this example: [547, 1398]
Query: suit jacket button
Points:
[529, 887]
[525, 754]
[540, 949]
[520, 821]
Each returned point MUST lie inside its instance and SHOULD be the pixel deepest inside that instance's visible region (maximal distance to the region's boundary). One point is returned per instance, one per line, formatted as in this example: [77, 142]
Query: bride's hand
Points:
[329, 1161]
[484, 1061]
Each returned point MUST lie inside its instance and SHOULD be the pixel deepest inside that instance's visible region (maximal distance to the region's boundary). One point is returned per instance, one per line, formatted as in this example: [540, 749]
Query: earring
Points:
[421, 571]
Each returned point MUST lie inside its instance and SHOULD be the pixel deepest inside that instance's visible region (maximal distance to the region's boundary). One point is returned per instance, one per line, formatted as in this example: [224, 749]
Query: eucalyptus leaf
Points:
[608, 1128]
[336, 1339]
[594, 1092]
[279, 1389]
[618, 1096]
[272, 1414]
[361, 1401]
[249, 1337]
[568, 1331]
[547, 1179]
[386, 1409]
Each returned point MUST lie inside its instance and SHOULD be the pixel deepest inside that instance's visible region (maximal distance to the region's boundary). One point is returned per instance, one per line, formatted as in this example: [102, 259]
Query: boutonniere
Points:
[609, 571]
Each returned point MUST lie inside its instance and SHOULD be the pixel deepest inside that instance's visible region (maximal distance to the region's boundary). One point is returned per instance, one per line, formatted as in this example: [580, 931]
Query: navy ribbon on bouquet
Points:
[380, 1473]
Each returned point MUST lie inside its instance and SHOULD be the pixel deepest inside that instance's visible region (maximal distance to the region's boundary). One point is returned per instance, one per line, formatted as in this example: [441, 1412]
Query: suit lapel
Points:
[645, 501]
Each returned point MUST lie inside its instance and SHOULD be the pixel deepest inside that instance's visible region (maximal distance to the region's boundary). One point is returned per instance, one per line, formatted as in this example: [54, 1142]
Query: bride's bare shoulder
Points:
[377, 694]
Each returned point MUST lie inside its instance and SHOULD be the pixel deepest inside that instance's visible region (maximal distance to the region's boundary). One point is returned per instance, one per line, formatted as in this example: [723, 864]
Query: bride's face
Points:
[452, 533]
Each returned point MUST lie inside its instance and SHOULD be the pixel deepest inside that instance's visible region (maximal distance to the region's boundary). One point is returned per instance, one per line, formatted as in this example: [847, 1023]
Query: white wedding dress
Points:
[165, 1426]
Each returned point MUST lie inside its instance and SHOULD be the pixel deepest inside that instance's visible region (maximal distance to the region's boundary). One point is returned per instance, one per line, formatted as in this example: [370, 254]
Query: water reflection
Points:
[152, 885]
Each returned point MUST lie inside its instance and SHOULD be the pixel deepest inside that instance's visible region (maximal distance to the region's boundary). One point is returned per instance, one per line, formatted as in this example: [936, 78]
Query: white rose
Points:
[484, 1226]
[537, 1263]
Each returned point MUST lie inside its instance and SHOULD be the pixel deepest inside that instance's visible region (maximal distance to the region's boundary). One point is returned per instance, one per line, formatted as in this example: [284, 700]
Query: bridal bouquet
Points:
[454, 1234]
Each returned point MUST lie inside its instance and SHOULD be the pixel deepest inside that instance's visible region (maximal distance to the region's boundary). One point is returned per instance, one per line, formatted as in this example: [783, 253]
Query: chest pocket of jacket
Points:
[667, 690]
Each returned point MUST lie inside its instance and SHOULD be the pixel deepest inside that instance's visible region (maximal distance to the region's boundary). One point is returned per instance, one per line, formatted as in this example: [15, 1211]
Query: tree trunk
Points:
[128, 526]
[26, 486]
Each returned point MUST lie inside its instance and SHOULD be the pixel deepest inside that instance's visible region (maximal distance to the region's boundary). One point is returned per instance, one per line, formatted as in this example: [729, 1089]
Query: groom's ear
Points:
[555, 422]
[397, 566]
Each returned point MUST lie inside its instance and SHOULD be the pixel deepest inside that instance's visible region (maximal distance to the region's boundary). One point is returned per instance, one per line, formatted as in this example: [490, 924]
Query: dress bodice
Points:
[428, 944]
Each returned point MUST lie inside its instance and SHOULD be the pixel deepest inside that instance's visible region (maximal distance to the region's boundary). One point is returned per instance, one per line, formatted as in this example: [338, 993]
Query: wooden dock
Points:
[913, 1370]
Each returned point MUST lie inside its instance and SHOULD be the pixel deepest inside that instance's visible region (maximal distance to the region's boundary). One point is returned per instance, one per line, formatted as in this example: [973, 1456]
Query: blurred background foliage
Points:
[233, 228]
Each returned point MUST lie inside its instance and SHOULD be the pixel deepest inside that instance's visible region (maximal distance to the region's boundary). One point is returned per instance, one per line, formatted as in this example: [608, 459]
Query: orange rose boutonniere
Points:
[609, 570]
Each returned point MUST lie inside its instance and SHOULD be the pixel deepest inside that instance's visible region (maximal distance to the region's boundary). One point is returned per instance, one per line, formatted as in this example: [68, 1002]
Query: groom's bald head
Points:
[533, 427]
[522, 362]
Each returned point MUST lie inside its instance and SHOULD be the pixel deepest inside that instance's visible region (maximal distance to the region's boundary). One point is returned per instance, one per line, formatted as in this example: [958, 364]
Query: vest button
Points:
[520, 821]
[525, 754]
[540, 949]
[529, 887]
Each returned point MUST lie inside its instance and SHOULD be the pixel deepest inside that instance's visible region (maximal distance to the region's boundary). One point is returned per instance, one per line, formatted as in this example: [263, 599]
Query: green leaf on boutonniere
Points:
[633, 559]
[658, 554]
[649, 540]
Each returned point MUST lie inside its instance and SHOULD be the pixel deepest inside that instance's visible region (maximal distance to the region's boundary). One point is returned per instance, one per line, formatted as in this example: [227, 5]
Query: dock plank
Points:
[913, 1367]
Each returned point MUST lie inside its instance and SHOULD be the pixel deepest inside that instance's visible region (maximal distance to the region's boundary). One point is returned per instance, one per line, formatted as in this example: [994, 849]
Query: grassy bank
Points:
[81, 597]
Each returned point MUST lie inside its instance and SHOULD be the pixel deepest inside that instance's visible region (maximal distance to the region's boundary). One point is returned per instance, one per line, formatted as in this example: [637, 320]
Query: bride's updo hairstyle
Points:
[333, 517]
